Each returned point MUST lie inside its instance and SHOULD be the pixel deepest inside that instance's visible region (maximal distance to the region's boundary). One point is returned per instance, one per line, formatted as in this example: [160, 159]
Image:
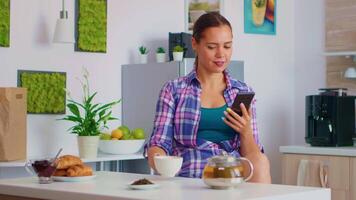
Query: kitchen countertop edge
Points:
[330, 151]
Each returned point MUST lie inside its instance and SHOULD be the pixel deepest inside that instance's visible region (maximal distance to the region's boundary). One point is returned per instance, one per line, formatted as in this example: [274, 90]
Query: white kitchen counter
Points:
[113, 185]
[330, 151]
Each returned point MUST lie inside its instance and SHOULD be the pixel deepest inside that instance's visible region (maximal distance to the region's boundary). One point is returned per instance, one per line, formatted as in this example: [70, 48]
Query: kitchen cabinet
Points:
[353, 178]
[340, 162]
[339, 40]
[339, 172]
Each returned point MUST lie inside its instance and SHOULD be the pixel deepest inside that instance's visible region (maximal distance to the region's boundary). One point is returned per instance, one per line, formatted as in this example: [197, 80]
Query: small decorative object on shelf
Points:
[160, 55]
[178, 53]
[143, 54]
[89, 118]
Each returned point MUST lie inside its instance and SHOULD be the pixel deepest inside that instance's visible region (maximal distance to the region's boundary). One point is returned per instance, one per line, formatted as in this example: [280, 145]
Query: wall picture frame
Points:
[195, 8]
[91, 26]
[260, 17]
[5, 23]
[45, 91]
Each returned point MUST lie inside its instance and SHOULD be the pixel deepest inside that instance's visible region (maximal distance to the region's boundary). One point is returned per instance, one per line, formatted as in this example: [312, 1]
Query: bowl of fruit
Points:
[122, 141]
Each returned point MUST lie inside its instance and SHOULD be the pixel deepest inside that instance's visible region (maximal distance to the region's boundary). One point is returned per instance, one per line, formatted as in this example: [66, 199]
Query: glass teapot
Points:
[225, 171]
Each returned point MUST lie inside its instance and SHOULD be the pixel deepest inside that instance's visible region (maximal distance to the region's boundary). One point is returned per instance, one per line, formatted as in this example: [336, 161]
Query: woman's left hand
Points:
[241, 124]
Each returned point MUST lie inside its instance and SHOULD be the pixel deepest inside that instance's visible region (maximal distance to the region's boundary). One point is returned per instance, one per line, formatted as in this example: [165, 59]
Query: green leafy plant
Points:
[143, 50]
[89, 118]
[178, 48]
[160, 50]
[260, 3]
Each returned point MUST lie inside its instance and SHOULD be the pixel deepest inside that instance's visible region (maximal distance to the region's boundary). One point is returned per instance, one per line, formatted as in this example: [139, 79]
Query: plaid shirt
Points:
[177, 120]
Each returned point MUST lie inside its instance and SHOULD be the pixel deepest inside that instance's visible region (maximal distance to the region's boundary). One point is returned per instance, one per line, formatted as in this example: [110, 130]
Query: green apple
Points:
[138, 133]
[105, 136]
[124, 129]
[126, 136]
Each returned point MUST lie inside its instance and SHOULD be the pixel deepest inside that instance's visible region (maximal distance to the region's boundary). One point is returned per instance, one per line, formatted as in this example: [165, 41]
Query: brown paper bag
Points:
[13, 115]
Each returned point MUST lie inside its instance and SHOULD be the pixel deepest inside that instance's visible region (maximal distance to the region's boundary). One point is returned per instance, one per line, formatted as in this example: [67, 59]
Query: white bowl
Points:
[120, 146]
[168, 165]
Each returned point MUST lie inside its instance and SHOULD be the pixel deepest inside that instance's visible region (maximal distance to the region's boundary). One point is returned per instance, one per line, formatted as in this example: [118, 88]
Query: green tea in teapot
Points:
[222, 172]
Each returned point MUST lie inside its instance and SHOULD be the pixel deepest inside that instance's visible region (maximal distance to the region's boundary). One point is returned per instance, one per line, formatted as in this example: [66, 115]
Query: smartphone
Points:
[243, 97]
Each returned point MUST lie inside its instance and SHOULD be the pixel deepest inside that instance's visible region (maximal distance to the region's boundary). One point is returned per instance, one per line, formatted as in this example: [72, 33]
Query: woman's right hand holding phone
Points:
[241, 124]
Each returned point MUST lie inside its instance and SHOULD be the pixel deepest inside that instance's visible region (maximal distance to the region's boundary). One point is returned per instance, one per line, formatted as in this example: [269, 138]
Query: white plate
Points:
[73, 179]
[143, 187]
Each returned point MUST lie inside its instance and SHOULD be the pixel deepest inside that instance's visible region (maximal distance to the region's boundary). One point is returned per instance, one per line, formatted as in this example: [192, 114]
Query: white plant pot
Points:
[88, 146]
[143, 58]
[177, 56]
[160, 57]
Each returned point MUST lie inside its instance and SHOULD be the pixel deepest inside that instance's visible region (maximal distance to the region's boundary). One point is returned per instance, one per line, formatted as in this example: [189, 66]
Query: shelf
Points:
[340, 53]
[111, 157]
[329, 151]
[101, 158]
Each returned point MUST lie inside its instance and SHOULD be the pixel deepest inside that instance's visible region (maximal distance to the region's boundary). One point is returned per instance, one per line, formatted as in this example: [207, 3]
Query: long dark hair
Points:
[208, 20]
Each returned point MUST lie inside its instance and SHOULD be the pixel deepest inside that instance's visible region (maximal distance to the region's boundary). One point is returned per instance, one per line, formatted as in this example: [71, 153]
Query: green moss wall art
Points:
[45, 91]
[91, 18]
[4, 23]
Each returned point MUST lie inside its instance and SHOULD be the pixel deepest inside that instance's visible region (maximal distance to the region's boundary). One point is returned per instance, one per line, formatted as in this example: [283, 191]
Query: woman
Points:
[193, 119]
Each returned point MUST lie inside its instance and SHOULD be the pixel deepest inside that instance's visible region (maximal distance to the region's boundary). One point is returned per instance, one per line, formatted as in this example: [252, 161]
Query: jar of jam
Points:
[44, 169]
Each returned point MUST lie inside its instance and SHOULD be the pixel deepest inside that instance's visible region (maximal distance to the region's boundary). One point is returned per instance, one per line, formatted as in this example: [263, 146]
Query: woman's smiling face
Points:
[214, 49]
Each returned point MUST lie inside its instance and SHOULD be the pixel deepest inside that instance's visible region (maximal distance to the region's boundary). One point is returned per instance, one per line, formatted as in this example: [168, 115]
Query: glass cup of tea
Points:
[44, 169]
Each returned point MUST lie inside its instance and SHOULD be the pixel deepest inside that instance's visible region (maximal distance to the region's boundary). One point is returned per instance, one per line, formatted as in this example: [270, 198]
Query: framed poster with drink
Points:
[260, 16]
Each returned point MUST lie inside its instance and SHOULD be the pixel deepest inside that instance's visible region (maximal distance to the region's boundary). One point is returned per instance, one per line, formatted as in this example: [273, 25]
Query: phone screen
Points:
[245, 98]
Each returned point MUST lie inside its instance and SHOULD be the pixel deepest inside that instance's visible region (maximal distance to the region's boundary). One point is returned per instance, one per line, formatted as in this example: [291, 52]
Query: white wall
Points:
[310, 66]
[130, 24]
[270, 61]
[269, 65]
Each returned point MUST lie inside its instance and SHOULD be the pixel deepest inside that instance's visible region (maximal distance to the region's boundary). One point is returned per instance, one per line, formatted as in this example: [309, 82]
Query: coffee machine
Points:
[330, 118]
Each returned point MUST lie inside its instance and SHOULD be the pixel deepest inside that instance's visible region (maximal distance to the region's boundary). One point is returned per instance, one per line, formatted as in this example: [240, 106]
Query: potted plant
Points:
[89, 119]
[143, 54]
[160, 55]
[178, 53]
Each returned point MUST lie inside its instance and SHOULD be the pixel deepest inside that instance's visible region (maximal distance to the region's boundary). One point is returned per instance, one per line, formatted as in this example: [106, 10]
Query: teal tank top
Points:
[212, 127]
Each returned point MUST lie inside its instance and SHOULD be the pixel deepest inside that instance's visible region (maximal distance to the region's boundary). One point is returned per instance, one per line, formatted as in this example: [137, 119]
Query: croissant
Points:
[64, 162]
[79, 170]
[60, 172]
